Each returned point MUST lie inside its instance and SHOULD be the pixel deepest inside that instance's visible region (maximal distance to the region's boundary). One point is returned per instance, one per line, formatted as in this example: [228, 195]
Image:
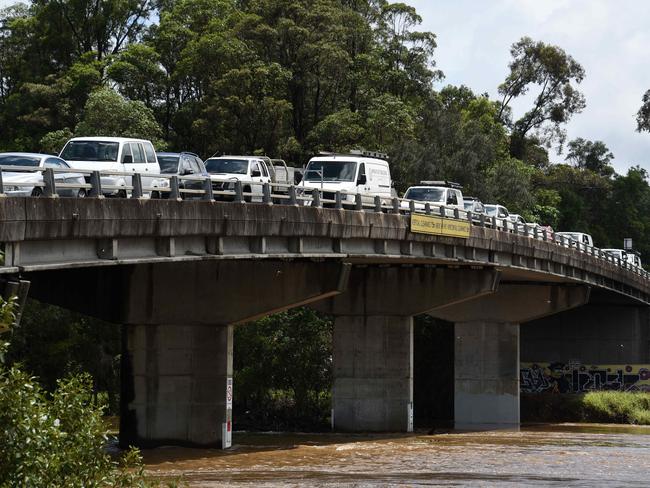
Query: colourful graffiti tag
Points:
[579, 378]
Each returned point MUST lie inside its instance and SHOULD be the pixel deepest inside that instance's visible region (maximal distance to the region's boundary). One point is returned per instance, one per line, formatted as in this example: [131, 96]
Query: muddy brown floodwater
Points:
[558, 455]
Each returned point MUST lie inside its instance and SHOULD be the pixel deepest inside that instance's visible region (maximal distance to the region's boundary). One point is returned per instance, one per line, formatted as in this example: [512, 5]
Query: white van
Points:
[358, 172]
[120, 154]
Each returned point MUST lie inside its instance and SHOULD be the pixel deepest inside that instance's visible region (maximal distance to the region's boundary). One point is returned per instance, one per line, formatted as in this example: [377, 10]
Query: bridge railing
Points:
[99, 184]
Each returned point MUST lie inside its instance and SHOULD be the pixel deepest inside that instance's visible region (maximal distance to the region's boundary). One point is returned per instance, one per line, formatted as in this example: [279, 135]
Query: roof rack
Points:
[356, 152]
[448, 184]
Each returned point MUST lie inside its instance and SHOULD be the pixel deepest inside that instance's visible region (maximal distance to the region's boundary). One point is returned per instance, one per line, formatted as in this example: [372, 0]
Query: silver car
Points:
[25, 183]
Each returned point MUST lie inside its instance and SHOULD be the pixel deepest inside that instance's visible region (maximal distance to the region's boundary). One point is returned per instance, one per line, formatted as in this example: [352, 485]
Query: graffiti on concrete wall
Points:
[580, 378]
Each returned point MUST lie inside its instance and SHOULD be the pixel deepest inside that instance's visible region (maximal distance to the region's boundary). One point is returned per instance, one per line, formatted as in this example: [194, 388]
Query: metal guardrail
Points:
[224, 189]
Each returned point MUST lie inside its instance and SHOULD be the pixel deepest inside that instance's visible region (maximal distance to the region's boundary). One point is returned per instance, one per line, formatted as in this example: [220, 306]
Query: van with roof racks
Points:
[364, 172]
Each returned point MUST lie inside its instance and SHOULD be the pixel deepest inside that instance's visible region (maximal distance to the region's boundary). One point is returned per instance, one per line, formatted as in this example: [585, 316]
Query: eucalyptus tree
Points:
[555, 75]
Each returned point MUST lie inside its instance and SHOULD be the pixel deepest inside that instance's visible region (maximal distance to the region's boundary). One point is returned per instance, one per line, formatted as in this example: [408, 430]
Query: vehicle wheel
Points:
[247, 198]
[121, 194]
[155, 194]
[37, 191]
[81, 193]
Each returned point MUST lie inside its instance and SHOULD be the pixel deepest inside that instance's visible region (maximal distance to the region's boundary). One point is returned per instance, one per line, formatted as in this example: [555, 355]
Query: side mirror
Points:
[256, 173]
[361, 180]
[127, 159]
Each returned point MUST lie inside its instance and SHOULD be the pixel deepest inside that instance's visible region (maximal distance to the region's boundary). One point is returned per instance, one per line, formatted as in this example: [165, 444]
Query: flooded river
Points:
[563, 455]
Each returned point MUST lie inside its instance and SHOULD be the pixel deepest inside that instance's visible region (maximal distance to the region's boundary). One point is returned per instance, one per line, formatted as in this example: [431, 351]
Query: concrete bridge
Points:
[179, 275]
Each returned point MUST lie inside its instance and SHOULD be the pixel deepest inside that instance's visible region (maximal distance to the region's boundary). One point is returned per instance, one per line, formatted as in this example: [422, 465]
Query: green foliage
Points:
[283, 371]
[53, 142]
[57, 439]
[597, 406]
[554, 72]
[643, 115]
[52, 342]
[593, 156]
[107, 113]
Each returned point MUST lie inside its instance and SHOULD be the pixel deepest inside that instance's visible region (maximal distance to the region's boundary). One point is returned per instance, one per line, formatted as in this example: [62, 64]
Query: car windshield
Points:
[572, 235]
[18, 160]
[168, 163]
[614, 252]
[331, 171]
[235, 166]
[491, 210]
[91, 151]
[468, 204]
[426, 194]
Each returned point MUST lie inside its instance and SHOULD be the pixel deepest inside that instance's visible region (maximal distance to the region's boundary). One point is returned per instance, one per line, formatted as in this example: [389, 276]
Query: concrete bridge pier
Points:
[178, 320]
[486, 348]
[373, 339]
[177, 383]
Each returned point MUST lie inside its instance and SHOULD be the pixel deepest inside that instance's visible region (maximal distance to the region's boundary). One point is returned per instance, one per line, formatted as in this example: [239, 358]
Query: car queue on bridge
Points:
[127, 167]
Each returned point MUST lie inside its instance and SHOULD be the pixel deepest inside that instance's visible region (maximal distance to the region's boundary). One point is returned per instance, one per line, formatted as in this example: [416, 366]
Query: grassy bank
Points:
[600, 406]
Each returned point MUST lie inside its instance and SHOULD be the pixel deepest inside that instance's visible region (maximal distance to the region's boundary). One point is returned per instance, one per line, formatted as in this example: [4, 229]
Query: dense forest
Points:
[289, 78]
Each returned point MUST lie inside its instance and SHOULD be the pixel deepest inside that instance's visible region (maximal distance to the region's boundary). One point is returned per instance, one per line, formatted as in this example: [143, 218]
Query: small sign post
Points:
[226, 429]
[627, 243]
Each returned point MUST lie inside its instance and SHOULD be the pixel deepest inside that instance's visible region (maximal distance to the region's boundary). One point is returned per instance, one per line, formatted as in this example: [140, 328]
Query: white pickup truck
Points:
[436, 194]
[251, 171]
[577, 239]
[623, 255]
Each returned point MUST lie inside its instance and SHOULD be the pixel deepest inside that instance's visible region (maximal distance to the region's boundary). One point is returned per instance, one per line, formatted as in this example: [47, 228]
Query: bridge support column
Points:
[177, 385]
[373, 373]
[486, 364]
[373, 339]
[486, 367]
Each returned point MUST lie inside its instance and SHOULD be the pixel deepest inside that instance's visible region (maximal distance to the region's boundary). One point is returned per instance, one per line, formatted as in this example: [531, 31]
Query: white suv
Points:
[436, 194]
[119, 154]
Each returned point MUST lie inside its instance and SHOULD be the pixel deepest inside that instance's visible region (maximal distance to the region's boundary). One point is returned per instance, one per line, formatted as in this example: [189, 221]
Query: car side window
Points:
[362, 170]
[451, 198]
[200, 167]
[138, 152]
[54, 163]
[149, 152]
[126, 151]
[265, 171]
[194, 164]
[186, 165]
[255, 167]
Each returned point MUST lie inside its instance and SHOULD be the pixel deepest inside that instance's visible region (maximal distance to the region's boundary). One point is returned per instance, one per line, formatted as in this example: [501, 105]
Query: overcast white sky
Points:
[611, 39]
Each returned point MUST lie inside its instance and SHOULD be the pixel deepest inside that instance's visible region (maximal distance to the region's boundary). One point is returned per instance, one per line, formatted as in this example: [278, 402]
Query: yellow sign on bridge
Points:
[429, 224]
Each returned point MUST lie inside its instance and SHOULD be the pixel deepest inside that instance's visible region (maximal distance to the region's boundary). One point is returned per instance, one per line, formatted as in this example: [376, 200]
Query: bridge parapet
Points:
[43, 234]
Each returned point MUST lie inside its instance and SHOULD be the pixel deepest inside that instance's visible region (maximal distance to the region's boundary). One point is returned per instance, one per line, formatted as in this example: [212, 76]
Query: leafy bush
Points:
[58, 439]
